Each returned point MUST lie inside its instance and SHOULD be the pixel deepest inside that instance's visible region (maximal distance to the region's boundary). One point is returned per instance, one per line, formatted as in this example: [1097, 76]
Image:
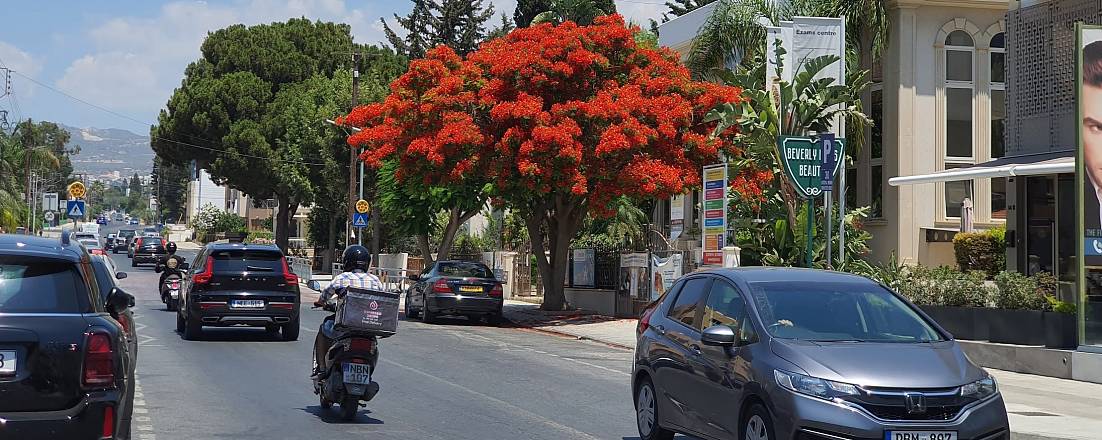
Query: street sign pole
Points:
[809, 217]
[827, 182]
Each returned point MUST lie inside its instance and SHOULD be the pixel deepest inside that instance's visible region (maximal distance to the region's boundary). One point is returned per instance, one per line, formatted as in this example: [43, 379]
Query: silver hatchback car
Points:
[798, 354]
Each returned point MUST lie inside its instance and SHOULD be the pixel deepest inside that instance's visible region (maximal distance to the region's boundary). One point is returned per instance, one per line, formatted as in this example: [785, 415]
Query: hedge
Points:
[983, 251]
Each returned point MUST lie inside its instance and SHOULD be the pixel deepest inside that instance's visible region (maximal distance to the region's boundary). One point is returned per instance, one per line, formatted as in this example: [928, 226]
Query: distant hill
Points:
[104, 150]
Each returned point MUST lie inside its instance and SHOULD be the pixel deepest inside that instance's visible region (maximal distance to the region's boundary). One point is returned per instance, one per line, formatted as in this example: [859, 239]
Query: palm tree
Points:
[733, 32]
[14, 159]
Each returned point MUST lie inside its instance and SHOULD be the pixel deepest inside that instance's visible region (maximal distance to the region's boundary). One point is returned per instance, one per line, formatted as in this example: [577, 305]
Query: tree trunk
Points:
[331, 243]
[456, 218]
[562, 218]
[283, 222]
[426, 250]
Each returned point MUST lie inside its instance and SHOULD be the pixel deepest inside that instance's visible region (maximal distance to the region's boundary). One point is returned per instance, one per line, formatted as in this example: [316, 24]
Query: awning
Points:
[1031, 165]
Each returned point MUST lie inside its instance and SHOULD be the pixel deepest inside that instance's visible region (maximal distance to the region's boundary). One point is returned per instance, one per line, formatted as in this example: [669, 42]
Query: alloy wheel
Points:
[644, 409]
[755, 429]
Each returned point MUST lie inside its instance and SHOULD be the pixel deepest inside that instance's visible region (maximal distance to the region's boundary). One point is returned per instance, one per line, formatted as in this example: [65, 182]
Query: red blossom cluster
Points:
[750, 184]
[568, 109]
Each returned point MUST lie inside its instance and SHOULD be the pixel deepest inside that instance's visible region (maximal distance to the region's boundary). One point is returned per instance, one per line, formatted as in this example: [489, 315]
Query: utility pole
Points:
[352, 150]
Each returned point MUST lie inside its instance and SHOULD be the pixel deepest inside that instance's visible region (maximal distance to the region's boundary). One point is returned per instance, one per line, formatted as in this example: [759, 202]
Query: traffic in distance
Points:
[722, 354]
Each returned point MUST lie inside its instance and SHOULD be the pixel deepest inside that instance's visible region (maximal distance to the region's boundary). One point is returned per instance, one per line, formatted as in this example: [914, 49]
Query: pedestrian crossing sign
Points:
[75, 208]
[359, 220]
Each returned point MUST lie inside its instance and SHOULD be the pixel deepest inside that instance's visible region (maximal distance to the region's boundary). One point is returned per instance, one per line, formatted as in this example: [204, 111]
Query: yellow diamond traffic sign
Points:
[76, 190]
[362, 206]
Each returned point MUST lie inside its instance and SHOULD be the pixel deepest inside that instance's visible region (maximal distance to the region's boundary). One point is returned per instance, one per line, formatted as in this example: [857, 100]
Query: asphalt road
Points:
[454, 380]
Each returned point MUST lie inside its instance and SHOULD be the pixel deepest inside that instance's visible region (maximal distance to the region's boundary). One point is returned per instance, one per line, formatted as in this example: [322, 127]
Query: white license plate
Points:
[7, 362]
[174, 293]
[247, 304]
[357, 374]
[920, 435]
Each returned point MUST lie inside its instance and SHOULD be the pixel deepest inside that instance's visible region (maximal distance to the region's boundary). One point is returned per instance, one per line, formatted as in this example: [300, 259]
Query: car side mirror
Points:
[120, 275]
[118, 300]
[718, 335]
[183, 267]
[414, 277]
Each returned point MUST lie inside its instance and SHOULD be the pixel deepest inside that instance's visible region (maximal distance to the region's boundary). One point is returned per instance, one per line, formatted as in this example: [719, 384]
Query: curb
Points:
[578, 337]
[1024, 436]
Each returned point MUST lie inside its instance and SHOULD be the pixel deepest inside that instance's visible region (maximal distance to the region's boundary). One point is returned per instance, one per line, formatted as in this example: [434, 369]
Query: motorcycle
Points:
[173, 267]
[346, 376]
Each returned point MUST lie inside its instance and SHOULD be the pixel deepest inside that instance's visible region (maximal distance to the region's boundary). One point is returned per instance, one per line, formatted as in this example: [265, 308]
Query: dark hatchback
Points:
[67, 371]
[232, 284]
[149, 249]
[455, 288]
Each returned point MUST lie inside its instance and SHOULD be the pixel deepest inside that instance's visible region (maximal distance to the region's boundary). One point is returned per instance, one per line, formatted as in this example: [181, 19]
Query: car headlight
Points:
[980, 389]
[814, 386]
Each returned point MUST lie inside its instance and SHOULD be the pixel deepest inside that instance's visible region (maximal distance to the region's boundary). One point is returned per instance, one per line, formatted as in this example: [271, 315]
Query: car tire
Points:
[757, 425]
[427, 316]
[646, 413]
[193, 329]
[410, 314]
[290, 330]
[180, 323]
[494, 320]
[133, 263]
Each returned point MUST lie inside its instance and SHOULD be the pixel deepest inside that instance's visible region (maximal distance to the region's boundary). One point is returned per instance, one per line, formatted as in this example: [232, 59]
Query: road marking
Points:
[574, 433]
[139, 408]
[557, 356]
[311, 330]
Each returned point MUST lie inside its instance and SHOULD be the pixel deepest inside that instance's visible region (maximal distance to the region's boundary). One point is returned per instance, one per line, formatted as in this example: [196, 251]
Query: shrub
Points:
[944, 286]
[260, 237]
[1017, 291]
[984, 251]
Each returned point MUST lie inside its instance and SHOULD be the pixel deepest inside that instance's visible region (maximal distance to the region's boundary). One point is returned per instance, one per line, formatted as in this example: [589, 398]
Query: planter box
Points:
[1061, 330]
[1022, 327]
[962, 322]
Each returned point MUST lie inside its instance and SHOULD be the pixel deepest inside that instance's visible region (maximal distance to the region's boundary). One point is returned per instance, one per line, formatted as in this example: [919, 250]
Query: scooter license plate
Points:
[174, 293]
[357, 374]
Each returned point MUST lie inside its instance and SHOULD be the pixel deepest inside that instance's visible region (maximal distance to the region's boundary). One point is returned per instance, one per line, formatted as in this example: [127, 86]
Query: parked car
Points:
[782, 353]
[232, 284]
[67, 371]
[122, 242]
[149, 249]
[465, 288]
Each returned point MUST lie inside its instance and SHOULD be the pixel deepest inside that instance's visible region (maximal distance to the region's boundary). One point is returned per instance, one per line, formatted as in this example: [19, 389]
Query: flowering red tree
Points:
[561, 119]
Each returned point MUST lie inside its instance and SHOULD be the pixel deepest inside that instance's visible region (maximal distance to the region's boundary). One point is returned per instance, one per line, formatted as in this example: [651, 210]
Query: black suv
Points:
[239, 284]
[149, 249]
[66, 369]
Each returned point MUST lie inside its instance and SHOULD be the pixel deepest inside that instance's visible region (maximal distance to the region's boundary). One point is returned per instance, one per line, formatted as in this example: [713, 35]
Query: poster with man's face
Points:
[1090, 143]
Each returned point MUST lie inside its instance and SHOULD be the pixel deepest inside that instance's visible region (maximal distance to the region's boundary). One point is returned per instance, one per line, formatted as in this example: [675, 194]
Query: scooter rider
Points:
[163, 264]
[356, 260]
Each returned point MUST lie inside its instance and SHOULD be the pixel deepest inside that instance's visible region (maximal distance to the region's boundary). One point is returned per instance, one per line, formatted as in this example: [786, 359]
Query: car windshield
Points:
[468, 270]
[39, 286]
[838, 311]
[241, 260]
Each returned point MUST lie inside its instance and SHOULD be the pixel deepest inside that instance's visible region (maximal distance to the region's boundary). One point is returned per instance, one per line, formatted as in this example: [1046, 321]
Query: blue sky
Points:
[126, 56]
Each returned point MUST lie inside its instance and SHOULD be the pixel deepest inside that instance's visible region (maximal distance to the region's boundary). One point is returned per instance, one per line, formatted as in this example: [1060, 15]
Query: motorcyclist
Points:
[356, 261]
[170, 248]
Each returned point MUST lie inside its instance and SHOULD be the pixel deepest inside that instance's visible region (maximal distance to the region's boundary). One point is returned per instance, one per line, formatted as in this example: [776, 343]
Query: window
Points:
[687, 303]
[42, 286]
[877, 201]
[998, 95]
[248, 261]
[876, 108]
[464, 269]
[998, 198]
[998, 58]
[955, 193]
[958, 123]
[725, 306]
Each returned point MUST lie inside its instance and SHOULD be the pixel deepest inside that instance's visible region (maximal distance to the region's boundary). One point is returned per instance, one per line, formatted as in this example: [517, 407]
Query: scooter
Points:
[173, 267]
[346, 376]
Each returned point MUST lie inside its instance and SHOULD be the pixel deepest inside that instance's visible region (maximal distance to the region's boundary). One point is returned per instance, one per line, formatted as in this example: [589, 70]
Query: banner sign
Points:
[1088, 174]
[664, 271]
[715, 214]
[677, 216]
[633, 275]
[802, 159]
[813, 37]
[585, 261]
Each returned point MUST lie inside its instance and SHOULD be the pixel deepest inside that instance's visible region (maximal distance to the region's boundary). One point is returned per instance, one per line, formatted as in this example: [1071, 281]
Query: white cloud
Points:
[15, 59]
[116, 80]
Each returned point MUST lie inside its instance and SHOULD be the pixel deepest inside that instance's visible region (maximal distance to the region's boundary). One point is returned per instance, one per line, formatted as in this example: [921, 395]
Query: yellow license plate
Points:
[470, 288]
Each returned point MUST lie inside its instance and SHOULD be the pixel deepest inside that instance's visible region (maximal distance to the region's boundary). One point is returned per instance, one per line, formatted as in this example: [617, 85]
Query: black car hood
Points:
[889, 365]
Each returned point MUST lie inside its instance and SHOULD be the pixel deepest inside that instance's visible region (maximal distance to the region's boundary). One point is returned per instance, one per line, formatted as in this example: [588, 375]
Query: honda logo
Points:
[916, 403]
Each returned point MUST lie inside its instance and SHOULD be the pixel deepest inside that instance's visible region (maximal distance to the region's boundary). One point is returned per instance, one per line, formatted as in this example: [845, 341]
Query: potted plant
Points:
[1019, 317]
[952, 298]
[1061, 326]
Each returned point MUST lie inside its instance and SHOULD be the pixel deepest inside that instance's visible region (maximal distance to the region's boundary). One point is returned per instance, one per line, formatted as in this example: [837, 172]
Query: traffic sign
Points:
[77, 190]
[362, 206]
[802, 161]
[49, 202]
[75, 208]
[830, 159]
[359, 219]
[49, 216]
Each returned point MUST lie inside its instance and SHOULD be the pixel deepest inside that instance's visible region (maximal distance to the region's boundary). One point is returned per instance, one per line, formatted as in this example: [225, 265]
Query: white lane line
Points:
[573, 433]
[145, 425]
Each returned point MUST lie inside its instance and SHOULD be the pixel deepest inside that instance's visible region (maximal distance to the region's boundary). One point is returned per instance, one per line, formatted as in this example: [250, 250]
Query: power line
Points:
[107, 110]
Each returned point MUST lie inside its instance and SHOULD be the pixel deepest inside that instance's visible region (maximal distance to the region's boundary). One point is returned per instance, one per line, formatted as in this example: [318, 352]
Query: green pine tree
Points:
[419, 25]
[502, 29]
[461, 24]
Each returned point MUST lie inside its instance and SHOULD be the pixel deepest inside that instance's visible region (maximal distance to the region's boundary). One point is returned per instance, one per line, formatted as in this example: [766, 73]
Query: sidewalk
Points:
[1039, 407]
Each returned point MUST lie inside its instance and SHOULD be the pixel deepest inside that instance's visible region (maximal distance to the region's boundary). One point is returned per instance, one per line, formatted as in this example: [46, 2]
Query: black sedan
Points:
[65, 367]
[239, 284]
[455, 288]
[149, 249]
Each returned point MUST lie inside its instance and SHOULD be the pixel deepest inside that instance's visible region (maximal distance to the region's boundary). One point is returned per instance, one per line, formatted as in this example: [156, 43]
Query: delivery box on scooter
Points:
[368, 311]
